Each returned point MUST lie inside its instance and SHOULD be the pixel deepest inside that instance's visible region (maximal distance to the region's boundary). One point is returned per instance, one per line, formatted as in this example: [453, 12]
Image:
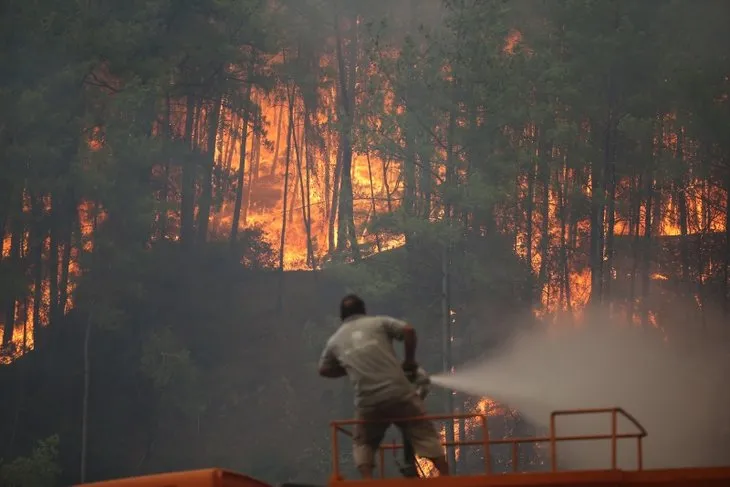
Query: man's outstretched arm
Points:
[329, 366]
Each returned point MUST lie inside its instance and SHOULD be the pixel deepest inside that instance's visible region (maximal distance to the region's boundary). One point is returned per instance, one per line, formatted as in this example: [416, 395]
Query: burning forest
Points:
[188, 188]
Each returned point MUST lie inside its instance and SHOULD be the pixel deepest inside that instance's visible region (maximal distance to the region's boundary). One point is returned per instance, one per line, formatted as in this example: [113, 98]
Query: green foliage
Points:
[40, 469]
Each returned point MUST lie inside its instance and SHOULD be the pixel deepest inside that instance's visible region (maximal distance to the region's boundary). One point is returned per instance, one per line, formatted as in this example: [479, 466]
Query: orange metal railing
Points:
[486, 442]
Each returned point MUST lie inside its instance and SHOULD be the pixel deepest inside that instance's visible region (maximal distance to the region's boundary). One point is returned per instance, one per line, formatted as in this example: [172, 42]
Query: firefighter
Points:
[362, 349]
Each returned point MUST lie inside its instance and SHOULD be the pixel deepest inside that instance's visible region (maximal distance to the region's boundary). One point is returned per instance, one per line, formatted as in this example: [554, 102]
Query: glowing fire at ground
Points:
[486, 407]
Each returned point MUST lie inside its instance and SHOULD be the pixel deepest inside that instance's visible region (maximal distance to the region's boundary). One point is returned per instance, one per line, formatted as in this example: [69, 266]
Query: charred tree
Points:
[346, 225]
[206, 194]
[187, 204]
[246, 111]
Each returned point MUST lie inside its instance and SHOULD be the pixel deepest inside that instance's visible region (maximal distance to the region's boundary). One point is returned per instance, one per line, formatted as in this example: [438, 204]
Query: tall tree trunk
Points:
[206, 195]
[544, 171]
[71, 221]
[294, 196]
[305, 219]
[253, 164]
[282, 242]
[680, 197]
[167, 136]
[54, 259]
[636, 248]
[275, 160]
[36, 243]
[187, 204]
[386, 186]
[309, 164]
[346, 224]
[257, 143]
[235, 223]
[610, 227]
[233, 140]
[372, 200]
[16, 235]
[529, 211]
[596, 244]
[560, 181]
[647, 247]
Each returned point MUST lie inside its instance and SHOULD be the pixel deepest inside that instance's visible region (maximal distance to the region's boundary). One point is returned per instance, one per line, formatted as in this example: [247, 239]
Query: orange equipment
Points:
[690, 477]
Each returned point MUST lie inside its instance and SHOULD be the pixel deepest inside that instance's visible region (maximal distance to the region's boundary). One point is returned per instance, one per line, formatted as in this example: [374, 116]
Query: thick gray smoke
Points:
[676, 391]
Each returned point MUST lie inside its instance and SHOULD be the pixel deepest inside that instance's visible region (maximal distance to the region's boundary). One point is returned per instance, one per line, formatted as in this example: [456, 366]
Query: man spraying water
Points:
[362, 349]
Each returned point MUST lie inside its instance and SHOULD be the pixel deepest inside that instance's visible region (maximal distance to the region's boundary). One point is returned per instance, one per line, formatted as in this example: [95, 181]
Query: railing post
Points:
[515, 459]
[640, 454]
[614, 446]
[553, 449]
[485, 438]
[335, 453]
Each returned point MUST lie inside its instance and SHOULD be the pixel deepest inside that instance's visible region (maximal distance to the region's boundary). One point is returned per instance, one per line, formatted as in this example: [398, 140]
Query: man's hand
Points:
[410, 367]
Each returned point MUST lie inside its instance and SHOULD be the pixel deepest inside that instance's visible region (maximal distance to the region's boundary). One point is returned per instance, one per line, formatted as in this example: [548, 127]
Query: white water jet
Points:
[679, 395]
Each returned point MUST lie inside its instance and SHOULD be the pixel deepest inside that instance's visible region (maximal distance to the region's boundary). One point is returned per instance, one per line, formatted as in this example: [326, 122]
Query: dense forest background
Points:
[189, 186]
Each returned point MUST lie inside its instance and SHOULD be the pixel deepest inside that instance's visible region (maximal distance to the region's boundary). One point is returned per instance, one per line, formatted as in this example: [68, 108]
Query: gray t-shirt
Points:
[363, 345]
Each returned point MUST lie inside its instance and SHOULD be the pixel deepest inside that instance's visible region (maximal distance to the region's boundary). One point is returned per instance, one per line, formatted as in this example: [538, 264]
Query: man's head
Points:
[351, 305]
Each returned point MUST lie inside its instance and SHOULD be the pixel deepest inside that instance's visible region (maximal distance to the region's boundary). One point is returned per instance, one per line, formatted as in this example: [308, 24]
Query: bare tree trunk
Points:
[187, 204]
[647, 247]
[346, 224]
[562, 215]
[282, 242]
[206, 195]
[257, 143]
[386, 185]
[275, 160]
[53, 258]
[305, 219]
[372, 200]
[544, 175]
[335, 203]
[530, 203]
[167, 135]
[309, 164]
[610, 228]
[36, 243]
[16, 229]
[72, 220]
[636, 247]
[597, 210]
[241, 169]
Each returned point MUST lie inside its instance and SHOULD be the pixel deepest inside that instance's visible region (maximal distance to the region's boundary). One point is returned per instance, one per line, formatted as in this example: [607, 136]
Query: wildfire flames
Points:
[377, 188]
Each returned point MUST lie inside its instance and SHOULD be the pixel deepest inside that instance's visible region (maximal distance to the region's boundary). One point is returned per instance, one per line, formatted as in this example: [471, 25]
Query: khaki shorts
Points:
[421, 433]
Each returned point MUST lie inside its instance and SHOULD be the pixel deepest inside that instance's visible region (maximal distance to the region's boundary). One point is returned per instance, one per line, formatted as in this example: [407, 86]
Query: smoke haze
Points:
[675, 392]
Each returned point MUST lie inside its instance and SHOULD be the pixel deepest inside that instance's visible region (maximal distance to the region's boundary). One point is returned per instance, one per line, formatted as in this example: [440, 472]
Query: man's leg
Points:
[424, 437]
[366, 440]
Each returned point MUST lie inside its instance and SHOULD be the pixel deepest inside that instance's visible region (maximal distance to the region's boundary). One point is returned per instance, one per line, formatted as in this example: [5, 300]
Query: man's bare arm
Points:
[409, 343]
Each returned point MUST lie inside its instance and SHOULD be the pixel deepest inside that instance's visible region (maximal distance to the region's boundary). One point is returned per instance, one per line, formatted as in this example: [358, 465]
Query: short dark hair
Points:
[351, 305]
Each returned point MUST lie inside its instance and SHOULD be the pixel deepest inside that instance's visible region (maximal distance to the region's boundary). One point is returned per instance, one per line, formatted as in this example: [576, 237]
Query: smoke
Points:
[675, 390]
